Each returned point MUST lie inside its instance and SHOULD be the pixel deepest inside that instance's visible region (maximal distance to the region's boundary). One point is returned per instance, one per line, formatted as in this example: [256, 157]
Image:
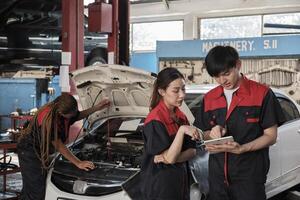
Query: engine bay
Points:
[111, 150]
[115, 151]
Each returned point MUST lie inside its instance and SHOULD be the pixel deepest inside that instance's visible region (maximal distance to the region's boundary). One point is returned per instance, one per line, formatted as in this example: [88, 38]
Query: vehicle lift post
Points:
[73, 31]
[73, 35]
[113, 19]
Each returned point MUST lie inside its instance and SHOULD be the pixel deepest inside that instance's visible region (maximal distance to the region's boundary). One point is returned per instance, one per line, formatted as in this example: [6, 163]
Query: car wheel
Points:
[97, 56]
[96, 60]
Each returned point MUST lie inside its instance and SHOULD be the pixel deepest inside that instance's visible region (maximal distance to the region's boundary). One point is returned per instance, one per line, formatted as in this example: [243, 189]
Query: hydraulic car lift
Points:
[116, 23]
[111, 18]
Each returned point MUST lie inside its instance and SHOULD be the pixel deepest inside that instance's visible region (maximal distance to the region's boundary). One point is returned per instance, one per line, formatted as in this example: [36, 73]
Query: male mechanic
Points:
[250, 112]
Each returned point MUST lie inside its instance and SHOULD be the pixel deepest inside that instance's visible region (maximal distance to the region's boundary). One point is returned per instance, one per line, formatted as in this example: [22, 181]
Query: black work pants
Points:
[33, 176]
[238, 190]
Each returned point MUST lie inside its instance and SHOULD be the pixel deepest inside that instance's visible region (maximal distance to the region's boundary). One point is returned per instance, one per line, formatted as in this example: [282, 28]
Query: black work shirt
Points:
[253, 109]
[163, 181]
[63, 126]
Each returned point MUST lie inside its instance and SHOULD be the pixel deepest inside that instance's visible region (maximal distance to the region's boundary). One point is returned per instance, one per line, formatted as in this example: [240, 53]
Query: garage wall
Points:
[144, 60]
[191, 10]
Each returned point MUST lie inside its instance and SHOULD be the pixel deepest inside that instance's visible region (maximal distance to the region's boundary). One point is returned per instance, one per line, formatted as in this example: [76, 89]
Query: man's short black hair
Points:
[220, 59]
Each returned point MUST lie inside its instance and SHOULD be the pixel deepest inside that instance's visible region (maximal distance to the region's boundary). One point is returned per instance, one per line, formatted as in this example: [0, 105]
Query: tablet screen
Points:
[221, 140]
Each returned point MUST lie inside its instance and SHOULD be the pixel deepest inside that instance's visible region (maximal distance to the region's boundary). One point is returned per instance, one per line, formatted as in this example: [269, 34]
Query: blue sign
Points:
[279, 46]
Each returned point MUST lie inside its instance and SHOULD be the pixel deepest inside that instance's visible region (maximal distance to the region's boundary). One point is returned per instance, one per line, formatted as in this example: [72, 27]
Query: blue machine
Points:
[21, 94]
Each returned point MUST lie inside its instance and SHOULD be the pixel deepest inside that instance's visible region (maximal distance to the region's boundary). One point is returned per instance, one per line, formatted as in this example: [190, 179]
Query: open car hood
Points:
[128, 90]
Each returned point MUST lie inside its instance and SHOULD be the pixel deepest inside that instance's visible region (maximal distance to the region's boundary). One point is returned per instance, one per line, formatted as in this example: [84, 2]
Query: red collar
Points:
[161, 113]
[244, 89]
[164, 111]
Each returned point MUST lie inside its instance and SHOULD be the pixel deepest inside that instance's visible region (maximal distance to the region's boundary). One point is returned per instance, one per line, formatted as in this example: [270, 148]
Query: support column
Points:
[124, 6]
[73, 31]
[113, 38]
[72, 40]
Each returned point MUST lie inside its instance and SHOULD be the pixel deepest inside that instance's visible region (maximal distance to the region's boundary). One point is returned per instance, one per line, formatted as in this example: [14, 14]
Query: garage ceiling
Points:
[166, 2]
[149, 1]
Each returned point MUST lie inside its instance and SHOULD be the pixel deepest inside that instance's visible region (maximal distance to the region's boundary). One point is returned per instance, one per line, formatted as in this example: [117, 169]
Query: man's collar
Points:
[244, 88]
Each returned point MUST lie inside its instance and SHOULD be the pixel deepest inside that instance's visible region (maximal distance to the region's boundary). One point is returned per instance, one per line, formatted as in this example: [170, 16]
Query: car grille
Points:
[91, 188]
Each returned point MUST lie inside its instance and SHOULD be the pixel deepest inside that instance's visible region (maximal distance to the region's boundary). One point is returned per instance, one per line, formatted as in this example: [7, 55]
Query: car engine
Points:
[113, 150]
[117, 156]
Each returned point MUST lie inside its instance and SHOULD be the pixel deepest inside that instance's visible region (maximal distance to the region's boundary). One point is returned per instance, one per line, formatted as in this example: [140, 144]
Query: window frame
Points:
[147, 22]
[262, 22]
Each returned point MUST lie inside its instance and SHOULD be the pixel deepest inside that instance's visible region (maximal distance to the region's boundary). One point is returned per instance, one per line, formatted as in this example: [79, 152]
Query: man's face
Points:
[229, 79]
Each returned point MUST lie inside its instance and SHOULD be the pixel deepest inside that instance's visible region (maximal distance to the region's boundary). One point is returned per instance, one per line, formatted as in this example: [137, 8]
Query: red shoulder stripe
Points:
[41, 115]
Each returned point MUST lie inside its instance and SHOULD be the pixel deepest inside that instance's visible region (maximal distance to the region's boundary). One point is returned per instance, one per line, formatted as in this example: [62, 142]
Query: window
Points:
[230, 27]
[249, 26]
[290, 21]
[145, 35]
[289, 109]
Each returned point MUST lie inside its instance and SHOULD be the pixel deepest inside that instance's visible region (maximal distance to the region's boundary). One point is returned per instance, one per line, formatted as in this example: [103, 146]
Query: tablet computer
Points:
[221, 140]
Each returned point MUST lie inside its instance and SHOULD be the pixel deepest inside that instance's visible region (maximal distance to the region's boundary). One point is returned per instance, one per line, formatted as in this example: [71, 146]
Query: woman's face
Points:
[174, 94]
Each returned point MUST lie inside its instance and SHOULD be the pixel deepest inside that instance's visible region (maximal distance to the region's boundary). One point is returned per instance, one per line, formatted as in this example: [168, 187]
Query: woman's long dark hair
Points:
[64, 104]
[164, 78]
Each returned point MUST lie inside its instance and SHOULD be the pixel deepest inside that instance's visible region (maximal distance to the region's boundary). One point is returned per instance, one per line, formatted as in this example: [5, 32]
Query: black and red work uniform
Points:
[163, 181]
[253, 108]
[33, 174]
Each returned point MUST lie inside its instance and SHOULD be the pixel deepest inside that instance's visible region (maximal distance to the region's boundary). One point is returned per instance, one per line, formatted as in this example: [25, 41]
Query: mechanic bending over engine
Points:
[46, 133]
[250, 112]
[168, 141]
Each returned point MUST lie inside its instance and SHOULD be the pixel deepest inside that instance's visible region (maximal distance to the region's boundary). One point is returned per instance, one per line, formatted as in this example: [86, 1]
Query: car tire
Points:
[96, 60]
[97, 56]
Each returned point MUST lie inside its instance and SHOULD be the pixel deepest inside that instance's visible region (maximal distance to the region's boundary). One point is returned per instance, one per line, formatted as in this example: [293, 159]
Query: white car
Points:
[284, 170]
[113, 140]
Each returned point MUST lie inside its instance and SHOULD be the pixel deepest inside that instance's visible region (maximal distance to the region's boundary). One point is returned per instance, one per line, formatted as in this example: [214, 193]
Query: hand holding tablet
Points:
[222, 140]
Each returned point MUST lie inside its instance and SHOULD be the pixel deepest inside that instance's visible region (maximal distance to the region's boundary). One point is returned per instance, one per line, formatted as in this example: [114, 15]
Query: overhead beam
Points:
[211, 8]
